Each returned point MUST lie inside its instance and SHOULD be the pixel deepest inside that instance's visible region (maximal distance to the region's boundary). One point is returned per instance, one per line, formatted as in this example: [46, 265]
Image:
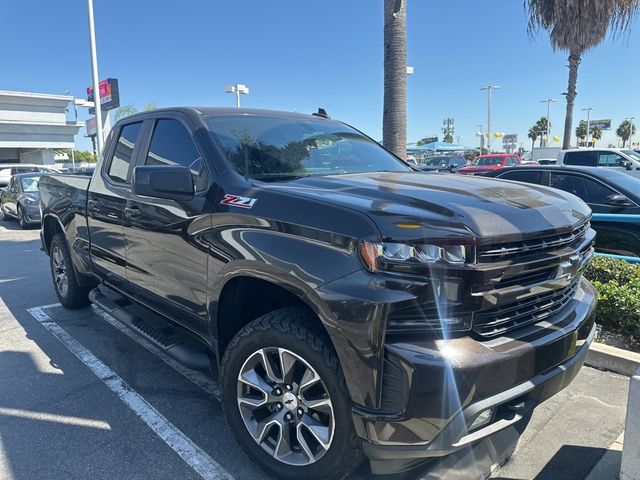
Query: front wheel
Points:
[69, 292]
[286, 399]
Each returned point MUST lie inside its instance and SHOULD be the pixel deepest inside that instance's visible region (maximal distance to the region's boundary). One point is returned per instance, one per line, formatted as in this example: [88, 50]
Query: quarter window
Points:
[171, 144]
[119, 168]
[528, 177]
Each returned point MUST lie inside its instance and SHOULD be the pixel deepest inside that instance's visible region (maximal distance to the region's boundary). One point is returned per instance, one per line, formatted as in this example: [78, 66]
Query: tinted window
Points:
[27, 169]
[282, 148]
[528, 177]
[119, 168]
[485, 161]
[609, 159]
[171, 144]
[588, 190]
[584, 158]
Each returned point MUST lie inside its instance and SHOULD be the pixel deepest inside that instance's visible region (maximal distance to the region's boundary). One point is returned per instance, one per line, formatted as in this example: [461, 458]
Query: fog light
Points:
[482, 419]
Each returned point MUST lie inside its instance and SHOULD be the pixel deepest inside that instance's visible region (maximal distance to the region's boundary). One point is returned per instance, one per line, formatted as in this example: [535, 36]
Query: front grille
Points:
[498, 320]
[513, 250]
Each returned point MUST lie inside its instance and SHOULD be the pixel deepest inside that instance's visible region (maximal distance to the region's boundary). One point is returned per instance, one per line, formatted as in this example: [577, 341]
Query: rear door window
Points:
[584, 188]
[121, 160]
[584, 158]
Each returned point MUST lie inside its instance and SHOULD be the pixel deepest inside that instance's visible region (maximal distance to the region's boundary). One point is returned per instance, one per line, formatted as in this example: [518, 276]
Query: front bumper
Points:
[32, 215]
[442, 386]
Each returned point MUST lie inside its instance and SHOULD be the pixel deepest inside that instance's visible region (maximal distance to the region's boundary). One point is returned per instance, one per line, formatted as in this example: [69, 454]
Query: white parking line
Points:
[193, 455]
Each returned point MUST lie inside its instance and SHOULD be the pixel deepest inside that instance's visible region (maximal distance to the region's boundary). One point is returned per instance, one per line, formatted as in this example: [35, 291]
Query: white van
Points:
[627, 161]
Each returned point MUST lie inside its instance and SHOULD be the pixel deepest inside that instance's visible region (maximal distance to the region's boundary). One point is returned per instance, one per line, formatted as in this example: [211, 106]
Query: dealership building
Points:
[33, 126]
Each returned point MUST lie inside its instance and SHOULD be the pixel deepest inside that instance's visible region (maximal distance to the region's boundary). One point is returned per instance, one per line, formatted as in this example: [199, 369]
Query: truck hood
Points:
[411, 206]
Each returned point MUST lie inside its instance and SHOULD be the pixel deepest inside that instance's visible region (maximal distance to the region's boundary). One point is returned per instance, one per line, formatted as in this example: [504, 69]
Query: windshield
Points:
[633, 154]
[29, 184]
[435, 162]
[626, 182]
[483, 161]
[281, 148]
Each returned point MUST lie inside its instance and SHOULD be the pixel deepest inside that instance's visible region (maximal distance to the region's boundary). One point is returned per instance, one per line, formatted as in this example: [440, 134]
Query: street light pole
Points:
[238, 89]
[489, 88]
[630, 131]
[548, 101]
[96, 78]
[588, 110]
[481, 136]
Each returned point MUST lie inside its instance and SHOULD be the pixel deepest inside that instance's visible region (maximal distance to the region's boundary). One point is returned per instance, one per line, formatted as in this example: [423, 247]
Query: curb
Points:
[612, 359]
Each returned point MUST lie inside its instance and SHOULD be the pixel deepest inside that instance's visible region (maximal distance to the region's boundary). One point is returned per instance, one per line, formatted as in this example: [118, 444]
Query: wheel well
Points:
[244, 299]
[50, 227]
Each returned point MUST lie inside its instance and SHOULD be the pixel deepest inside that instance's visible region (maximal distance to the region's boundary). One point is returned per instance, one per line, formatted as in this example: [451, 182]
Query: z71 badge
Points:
[238, 201]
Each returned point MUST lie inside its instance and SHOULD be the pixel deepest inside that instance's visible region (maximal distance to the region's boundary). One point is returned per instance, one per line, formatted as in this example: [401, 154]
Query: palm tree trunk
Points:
[574, 62]
[394, 115]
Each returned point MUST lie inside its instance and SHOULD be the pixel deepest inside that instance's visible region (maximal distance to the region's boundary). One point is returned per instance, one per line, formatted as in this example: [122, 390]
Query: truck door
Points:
[106, 203]
[166, 255]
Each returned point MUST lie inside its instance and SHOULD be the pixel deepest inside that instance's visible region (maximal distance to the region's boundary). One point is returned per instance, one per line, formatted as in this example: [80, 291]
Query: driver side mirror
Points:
[618, 200]
[173, 182]
[627, 164]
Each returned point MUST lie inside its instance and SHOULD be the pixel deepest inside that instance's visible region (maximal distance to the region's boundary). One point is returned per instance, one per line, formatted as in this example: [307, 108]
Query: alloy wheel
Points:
[285, 406]
[60, 271]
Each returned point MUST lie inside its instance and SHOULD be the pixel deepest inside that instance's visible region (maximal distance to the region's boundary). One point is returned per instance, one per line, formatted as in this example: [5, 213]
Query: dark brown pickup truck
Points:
[354, 307]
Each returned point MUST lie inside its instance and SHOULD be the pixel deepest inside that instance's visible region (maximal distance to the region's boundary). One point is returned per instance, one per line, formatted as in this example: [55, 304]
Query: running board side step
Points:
[169, 344]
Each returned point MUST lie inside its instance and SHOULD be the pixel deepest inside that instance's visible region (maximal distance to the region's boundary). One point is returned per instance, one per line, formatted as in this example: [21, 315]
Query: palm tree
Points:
[542, 128]
[394, 115]
[575, 26]
[534, 133]
[581, 131]
[625, 130]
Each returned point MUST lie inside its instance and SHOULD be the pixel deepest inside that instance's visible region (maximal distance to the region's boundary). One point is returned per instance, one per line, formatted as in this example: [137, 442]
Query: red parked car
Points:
[488, 163]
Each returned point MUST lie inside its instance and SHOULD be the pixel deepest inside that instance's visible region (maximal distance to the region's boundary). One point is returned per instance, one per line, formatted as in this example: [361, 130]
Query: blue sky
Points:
[298, 55]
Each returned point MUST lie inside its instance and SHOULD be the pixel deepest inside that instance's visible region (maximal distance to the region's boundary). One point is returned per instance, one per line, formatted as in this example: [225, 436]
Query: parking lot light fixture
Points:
[238, 89]
[548, 102]
[489, 89]
[588, 110]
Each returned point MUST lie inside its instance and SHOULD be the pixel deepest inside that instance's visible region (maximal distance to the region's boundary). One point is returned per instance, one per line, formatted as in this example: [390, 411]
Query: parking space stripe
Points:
[193, 455]
[197, 378]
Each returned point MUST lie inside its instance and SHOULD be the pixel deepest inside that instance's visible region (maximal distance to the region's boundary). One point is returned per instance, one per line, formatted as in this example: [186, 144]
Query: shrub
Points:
[618, 286]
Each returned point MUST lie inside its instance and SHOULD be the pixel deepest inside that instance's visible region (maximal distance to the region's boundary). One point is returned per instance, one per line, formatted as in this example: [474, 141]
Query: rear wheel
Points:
[286, 398]
[22, 218]
[69, 292]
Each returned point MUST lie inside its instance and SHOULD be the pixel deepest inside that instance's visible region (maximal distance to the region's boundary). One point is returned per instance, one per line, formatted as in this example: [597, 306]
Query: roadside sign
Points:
[603, 124]
[90, 125]
[510, 138]
[109, 95]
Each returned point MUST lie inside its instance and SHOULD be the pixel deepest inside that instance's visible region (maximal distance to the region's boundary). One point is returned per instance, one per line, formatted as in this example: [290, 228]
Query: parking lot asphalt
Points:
[82, 397]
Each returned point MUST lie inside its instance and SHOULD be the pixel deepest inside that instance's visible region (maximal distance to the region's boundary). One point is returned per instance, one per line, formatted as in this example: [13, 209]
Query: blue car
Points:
[614, 198]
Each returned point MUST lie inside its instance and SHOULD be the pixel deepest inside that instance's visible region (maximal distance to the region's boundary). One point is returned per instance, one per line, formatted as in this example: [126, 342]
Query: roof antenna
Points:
[321, 113]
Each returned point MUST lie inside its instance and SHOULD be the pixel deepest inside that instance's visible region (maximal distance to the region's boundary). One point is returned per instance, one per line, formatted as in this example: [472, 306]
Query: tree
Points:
[542, 128]
[576, 26]
[534, 133]
[130, 109]
[394, 115]
[625, 130]
[581, 131]
[84, 156]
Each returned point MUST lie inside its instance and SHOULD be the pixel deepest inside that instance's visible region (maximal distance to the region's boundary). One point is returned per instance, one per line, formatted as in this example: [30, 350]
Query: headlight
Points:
[30, 201]
[402, 256]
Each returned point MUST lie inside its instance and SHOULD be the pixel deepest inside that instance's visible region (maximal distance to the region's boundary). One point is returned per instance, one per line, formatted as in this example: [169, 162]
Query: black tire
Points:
[22, 219]
[293, 329]
[73, 296]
